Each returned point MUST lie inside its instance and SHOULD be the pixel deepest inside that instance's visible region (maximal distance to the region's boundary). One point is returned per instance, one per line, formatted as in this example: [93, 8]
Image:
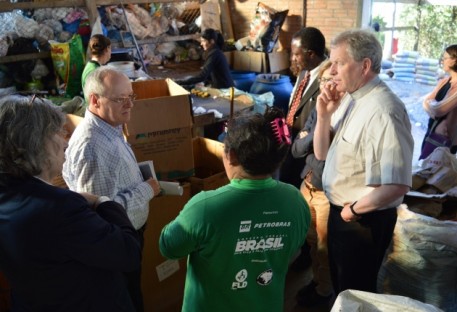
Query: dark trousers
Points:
[356, 249]
[133, 279]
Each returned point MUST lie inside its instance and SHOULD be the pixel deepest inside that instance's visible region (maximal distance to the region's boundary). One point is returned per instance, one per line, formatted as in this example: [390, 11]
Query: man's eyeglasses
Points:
[325, 80]
[122, 100]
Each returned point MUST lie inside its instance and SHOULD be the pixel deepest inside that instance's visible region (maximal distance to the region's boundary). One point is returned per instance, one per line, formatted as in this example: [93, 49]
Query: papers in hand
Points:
[171, 188]
[168, 188]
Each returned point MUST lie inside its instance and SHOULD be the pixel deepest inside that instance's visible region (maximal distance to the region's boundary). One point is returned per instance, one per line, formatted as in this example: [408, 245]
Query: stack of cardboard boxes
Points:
[160, 129]
[258, 62]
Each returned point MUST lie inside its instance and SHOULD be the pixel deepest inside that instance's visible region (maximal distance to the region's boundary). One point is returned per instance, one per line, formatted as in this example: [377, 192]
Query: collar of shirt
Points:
[313, 73]
[110, 131]
[247, 184]
[361, 92]
[345, 107]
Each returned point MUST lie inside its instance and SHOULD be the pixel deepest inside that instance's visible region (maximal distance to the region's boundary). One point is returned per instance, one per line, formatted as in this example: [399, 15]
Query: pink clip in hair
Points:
[281, 131]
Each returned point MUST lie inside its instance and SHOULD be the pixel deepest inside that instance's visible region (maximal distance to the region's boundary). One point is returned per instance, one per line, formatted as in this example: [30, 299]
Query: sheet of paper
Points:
[171, 188]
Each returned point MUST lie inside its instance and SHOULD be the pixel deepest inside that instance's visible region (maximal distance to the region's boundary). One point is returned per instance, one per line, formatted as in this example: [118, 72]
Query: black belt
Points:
[365, 213]
[336, 207]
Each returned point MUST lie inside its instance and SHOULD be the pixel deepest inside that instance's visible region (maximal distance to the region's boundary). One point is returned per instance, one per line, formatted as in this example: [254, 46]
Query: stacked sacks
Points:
[427, 71]
[404, 66]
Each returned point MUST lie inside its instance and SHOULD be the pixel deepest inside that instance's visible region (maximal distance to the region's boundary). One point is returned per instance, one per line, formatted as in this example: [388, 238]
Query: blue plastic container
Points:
[243, 79]
[279, 85]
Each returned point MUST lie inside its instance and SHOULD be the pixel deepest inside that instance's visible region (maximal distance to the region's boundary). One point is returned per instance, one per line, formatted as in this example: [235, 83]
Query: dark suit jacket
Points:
[60, 255]
[291, 168]
[307, 104]
[304, 148]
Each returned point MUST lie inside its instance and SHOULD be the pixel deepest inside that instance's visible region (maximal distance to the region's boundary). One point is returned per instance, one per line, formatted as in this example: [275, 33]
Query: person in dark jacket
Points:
[308, 52]
[59, 250]
[216, 69]
[319, 290]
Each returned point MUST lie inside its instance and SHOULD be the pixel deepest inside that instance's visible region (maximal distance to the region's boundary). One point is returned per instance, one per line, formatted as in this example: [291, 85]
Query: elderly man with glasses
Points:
[100, 161]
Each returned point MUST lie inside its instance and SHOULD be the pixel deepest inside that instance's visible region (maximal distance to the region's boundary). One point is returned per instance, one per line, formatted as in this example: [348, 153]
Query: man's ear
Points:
[366, 65]
[93, 100]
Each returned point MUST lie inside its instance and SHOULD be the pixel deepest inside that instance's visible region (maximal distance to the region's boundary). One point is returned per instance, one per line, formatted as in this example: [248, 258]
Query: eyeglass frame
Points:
[121, 100]
[325, 80]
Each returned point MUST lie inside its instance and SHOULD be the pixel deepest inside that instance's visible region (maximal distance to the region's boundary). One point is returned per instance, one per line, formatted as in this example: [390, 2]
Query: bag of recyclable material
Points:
[68, 59]
[25, 27]
[421, 262]
[265, 28]
[355, 300]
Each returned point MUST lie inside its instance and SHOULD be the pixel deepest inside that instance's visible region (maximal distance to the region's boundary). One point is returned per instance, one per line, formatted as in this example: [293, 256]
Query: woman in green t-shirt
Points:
[100, 51]
[240, 238]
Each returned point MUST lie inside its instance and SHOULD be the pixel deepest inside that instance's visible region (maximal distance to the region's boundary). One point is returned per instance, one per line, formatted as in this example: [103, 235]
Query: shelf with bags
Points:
[24, 57]
[10, 6]
[6, 6]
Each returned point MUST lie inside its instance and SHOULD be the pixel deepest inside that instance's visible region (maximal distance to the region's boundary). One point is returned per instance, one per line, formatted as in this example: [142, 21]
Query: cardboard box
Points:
[69, 126]
[71, 123]
[209, 168]
[160, 128]
[229, 57]
[260, 62]
[162, 280]
[278, 61]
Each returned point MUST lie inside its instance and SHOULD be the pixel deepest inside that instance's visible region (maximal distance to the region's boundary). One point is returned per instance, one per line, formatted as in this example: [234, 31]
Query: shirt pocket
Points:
[350, 161]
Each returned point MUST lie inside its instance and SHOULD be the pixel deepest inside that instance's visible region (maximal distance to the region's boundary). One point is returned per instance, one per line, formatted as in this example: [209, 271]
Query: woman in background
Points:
[60, 250]
[319, 290]
[100, 51]
[441, 105]
[240, 238]
[216, 69]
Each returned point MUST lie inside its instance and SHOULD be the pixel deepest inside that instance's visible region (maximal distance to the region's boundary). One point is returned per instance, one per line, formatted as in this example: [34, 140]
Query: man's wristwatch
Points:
[351, 206]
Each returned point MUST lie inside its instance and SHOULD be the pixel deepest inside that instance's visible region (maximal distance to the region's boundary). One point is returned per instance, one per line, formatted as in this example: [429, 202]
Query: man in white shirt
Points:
[100, 161]
[368, 160]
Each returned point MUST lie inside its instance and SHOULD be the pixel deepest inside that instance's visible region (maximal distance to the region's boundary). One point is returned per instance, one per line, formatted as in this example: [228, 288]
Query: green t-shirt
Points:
[239, 239]
[90, 67]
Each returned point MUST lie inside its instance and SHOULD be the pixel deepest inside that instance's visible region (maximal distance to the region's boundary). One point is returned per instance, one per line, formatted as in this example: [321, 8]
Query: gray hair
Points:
[361, 44]
[25, 128]
[95, 80]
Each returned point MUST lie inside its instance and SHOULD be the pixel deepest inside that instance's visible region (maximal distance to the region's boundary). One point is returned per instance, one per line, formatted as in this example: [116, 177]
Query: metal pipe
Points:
[134, 39]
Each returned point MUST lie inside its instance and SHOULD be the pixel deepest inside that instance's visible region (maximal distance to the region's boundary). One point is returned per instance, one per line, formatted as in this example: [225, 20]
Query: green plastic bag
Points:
[68, 59]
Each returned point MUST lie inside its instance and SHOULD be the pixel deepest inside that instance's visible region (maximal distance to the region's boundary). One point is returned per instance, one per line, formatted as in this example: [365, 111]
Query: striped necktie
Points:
[297, 99]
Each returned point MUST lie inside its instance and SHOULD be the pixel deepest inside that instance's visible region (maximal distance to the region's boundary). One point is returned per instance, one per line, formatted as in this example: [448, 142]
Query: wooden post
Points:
[226, 20]
[92, 11]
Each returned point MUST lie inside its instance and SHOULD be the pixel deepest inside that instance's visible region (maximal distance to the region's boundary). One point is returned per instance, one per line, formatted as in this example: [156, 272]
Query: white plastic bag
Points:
[361, 301]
